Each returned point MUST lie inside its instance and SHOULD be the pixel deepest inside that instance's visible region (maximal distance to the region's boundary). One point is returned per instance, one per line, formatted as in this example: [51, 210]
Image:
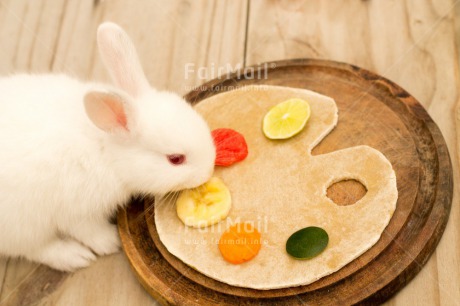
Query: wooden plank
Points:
[33, 286]
[28, 43]
[448, 280]
[109, 281]
[457, 28]
[3, 264]
[411, 43]
[322, 30]
[16, 274]
[432, 30]
[75, 48]
[11, 13]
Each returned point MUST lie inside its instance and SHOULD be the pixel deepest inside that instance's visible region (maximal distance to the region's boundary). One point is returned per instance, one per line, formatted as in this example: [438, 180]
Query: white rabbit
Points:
[71, 153]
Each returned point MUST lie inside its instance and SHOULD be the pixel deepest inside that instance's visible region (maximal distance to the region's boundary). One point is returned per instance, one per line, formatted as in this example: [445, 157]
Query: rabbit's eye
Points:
[176, 159]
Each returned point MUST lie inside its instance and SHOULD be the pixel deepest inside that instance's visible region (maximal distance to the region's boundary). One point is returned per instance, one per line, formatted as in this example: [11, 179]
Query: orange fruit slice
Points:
[240, 243]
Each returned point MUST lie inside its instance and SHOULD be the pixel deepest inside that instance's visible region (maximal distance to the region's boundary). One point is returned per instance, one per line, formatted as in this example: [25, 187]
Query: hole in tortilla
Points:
[346, 192]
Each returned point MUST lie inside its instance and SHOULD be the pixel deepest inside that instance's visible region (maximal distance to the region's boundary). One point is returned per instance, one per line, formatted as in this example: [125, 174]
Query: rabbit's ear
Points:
[108, 111]
[121, 59]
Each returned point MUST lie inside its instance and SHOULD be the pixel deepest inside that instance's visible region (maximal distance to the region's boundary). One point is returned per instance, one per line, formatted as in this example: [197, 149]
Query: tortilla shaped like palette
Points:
[281, 188]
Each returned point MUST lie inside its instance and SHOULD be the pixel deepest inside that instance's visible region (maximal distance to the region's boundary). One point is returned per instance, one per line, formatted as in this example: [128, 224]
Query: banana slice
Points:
[204, 205]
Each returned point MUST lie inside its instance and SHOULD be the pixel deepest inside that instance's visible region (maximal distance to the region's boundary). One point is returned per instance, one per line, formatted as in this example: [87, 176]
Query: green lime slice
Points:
[286, 119]
[307, 242]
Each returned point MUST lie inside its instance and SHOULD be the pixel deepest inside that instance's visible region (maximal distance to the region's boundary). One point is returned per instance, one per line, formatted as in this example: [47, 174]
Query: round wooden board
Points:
[372, 111]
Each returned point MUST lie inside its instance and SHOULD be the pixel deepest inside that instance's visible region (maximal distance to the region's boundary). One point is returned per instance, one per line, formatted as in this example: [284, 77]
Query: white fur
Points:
[62, 175]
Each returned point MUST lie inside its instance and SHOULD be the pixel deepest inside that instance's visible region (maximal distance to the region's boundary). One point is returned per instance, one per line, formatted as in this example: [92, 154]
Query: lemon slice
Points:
[286, 119]
[204, 205]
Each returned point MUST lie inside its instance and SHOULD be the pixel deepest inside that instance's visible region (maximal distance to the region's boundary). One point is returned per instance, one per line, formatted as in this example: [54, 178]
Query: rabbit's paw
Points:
[65, 255]
[106, 241]
[102, 238]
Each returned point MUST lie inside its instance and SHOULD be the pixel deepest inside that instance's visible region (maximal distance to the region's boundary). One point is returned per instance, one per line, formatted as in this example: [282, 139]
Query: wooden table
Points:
[183, 43]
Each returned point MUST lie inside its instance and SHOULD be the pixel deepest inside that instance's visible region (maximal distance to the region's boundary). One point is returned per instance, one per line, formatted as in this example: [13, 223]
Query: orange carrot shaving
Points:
[240, 243]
